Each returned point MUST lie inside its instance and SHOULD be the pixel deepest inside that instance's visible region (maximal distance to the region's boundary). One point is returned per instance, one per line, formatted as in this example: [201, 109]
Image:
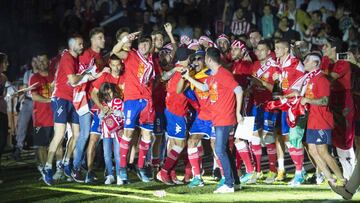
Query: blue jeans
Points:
[108, 147]
[85, 124]
[222, 137]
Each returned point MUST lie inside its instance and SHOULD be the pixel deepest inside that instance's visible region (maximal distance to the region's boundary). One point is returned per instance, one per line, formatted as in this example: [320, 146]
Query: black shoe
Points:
[312, 179]
[16, 155]
[77, 176]
[217, 174]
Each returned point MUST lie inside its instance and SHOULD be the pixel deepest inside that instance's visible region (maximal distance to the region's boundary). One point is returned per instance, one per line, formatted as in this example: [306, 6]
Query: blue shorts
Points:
[64, 111]
[263, 119]
[202, 127]
[285, 128]
[318, 137]
[95, 125]
[175, 125]
[137, 113]
[159, 124]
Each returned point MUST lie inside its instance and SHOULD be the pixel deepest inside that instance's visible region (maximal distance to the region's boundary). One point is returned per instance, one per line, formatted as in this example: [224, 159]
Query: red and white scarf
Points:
[114, 122]
[302, 83]
[292, 106]
[149, 72]
[264, 67]
[80, 100]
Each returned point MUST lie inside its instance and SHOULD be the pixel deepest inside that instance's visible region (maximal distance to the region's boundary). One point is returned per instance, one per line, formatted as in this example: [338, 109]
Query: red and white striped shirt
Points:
[239, 27]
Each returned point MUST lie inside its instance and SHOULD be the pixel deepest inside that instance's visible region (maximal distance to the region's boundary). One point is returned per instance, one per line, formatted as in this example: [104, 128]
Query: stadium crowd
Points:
[154, 81]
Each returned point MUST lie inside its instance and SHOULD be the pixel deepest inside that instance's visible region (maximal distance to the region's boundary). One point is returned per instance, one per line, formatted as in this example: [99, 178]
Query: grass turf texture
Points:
[22, 184]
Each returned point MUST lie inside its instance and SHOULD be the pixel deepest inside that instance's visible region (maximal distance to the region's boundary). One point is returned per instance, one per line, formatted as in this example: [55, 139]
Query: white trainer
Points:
[109, 180]
[224, 189]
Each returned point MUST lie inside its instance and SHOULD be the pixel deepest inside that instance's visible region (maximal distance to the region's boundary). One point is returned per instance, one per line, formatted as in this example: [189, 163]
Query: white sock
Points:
[66, 161]
[347, 160]
[281, 164]
[298, 172]
[48, 166]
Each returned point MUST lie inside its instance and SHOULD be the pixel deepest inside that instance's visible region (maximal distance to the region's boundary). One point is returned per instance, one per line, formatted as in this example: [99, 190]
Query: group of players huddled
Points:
[161, 101]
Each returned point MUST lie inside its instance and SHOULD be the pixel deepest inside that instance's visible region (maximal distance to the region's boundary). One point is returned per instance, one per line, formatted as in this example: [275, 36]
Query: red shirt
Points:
[320, 117]
[326, 65]
[242, 70]
[343, 69]
[175, 103]
[107, 77]
[84, 61]
[291, 70]
[159, 91]
[134, 70]
[42, 113]
[54, 64]
[267, 72]
[68, 65]
[222, 97]
[88, 55]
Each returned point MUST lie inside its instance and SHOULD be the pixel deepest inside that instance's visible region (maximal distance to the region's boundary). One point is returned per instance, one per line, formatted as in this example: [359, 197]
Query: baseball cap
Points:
[183, 53]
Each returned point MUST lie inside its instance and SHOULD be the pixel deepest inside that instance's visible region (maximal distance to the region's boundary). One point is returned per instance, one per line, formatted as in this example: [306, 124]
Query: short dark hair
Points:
[284, 42]
[121, 30]
[157, 32]
[318, 12]
[214, 54]
[144, 38]
[267, 43]
[95, 31]
[3, 57]
[336, 42]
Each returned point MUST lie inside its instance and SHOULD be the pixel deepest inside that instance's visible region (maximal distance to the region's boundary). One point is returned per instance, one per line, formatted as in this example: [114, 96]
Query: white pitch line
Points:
[87, 192]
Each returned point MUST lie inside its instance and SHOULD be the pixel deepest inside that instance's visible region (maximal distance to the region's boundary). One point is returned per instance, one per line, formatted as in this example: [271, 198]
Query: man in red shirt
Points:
[63, 109]
[159, 92]
[225, 97]
[114, 77]
[342, 106]
[241, 67]
[223, 44]
[291, 71]
[316, 92]
[242, 70]
[175, 113]
[88, 59]
[265, 72]
[139, 76]
[42, 117]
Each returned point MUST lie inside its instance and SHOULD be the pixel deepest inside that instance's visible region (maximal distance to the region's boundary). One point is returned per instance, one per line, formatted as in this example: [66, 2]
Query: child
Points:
[112, 124]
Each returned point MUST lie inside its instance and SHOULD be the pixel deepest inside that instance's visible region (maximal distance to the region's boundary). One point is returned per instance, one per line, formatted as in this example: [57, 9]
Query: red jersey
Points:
[242, 70]
[42, 113]
[84, 61]
[320, 117]
[222, 97]
[68, 65]
[54, 64]
[159, 91]
[326, 65]
[87, 56]
[176, 103]
[266, 73]
[134, 71]
[291, 70]
[107, 77]
[343, 69]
